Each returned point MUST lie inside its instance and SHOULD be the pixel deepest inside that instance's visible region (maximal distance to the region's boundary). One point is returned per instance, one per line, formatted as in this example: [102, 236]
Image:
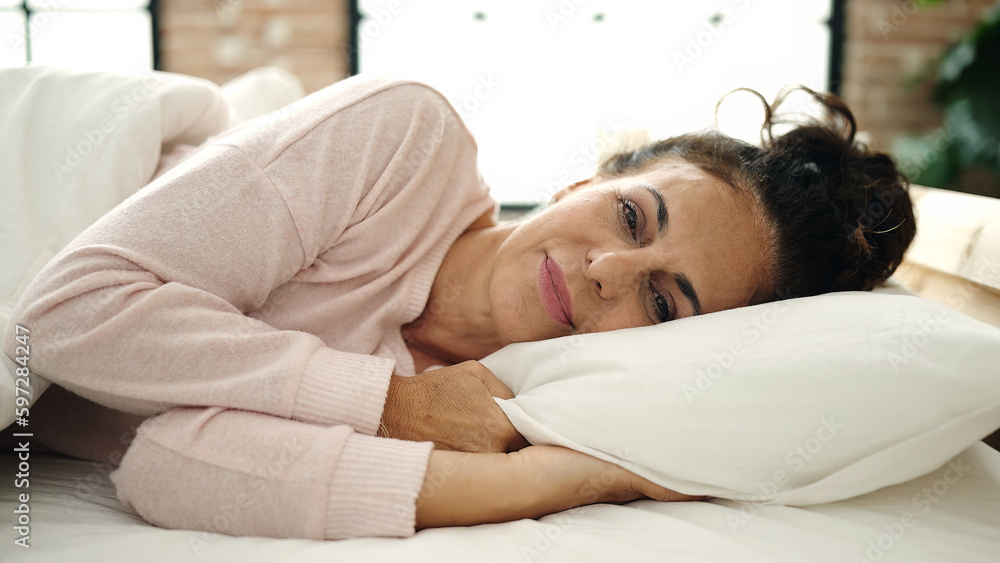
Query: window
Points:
[542, 84]
[113, 35]
[12, 21]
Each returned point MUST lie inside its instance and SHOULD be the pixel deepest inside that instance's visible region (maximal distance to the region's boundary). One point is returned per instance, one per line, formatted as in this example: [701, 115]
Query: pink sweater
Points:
[264, 282]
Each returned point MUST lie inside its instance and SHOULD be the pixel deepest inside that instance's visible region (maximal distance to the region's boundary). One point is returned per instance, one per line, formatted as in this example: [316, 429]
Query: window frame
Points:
[153, 8]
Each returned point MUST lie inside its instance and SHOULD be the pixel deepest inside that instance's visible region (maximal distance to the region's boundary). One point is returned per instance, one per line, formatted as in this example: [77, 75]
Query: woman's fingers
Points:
[651, 490]
[663, 494]
[609, 482]
[518, 442]
[499, 390]
[452, 407]
[491, 381]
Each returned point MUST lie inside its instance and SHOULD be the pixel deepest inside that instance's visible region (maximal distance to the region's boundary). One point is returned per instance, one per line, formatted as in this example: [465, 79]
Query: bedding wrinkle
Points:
[276, 265]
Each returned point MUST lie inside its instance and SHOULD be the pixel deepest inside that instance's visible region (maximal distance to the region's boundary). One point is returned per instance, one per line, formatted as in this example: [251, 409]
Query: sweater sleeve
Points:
[146, 309]
[194, 469]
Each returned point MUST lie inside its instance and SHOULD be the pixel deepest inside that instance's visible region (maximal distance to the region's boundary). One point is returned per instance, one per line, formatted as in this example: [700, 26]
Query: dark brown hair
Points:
[839, 215]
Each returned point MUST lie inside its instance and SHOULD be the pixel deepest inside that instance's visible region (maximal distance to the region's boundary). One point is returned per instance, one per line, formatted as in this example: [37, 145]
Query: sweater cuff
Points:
[375, 486]
[343, 388]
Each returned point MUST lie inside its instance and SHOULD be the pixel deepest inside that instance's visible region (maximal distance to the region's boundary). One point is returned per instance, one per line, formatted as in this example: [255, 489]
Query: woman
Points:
[263, 301]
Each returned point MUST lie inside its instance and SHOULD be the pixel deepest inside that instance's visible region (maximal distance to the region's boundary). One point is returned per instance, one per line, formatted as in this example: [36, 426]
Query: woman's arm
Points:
[462, 488]
[147, 309]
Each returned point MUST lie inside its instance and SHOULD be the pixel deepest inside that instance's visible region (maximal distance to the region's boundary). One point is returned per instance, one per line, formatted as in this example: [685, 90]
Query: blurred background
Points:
[547, 86]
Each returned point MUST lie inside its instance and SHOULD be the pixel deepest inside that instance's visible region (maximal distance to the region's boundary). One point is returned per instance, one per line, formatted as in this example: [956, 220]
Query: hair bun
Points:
[842, 213]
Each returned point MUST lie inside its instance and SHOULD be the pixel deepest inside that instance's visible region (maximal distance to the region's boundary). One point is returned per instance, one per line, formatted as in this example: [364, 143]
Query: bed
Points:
[949, 514]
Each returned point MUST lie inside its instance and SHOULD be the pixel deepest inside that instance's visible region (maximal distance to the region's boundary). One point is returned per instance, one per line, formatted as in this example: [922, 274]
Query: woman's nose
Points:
[613, 272]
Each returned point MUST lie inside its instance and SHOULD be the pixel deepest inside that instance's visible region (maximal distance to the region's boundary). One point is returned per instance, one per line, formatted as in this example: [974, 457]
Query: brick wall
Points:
[888, 43]
[221, 39]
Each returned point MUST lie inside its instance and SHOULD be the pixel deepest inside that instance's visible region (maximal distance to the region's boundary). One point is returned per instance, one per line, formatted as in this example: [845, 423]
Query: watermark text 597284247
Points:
[22, 400]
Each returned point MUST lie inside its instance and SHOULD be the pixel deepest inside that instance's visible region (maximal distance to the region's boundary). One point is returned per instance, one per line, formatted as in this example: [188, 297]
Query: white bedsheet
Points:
[952, 514]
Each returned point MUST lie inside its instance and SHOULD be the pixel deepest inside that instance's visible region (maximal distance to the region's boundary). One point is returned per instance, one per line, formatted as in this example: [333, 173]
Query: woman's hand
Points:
[463, 488]
[453, 407]
[600, 481]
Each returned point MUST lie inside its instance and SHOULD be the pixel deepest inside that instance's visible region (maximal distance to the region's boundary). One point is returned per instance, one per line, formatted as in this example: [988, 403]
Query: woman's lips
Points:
[555, 294]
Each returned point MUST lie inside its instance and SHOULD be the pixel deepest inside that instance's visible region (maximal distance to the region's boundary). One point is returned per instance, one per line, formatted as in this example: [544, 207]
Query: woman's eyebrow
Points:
[661, 208]
[688, 290]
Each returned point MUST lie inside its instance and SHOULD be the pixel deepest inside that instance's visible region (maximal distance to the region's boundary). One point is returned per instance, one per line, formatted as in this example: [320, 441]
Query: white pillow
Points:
[261, 91]
[797, 402]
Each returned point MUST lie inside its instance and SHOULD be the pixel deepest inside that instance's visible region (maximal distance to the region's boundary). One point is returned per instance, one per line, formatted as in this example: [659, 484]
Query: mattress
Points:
[951, 514]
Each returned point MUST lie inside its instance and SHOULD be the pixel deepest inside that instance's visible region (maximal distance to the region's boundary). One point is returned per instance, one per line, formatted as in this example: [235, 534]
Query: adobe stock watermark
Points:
[546, 536]
[562, 12]
[484, 89]
[697, 43]
[42, 12]
[96, 483]
[796, 459]
[91, 139]
[914, 341]
[582, 159]
[724, 360]
[555, 526]
[227, 10]
[943, 139]
[895, 531]
[229, 514]
[63, 336]
[987, 267]
[372, 26]
[433, 482]
[899, 14]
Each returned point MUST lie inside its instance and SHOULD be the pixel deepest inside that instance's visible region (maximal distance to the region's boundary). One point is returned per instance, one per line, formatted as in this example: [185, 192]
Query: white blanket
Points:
[949, 515]
[73, 146]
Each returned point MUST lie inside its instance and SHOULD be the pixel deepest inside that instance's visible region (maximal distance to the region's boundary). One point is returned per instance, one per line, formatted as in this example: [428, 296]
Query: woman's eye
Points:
[630, 216]
[661, 306]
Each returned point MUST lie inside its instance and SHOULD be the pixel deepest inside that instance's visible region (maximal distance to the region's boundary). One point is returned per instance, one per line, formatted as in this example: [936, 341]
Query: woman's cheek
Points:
[510, 316]
[613, 318]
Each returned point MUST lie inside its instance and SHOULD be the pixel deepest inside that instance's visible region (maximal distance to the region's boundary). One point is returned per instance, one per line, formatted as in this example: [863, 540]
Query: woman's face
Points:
[671, 241]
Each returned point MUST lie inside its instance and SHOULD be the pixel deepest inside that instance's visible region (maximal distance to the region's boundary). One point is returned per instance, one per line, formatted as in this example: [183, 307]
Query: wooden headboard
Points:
[955, 257]
[979, 301]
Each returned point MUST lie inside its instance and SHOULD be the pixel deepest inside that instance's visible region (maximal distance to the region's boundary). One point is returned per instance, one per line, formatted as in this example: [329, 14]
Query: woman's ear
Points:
[572, 188]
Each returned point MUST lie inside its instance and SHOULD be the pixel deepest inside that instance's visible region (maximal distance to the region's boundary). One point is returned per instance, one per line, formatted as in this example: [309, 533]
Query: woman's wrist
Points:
[460, 489]
[463, 488]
